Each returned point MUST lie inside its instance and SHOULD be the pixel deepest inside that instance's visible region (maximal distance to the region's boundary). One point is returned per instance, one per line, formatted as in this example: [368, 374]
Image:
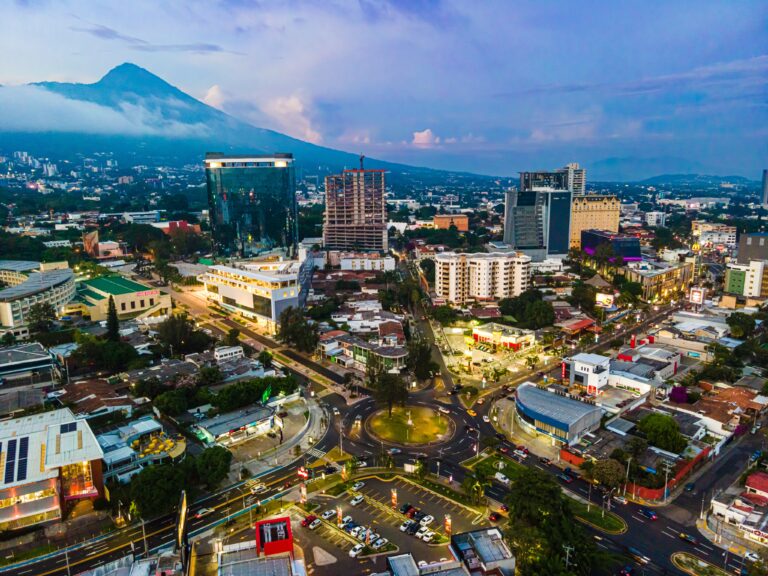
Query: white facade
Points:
[727, 237]
[753, 279]
[384, 264]
[462, 277]
[259, 291]
[590, 371]
[222, 353]
[656, 219]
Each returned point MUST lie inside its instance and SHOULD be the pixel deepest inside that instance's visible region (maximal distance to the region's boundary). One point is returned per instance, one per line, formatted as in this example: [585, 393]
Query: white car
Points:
[751, 556]
[520, 454]
[361, 534]
[203, 512]
[422, 563]
[362, 463]
[328, 514]
[421, 531]
[428, 537]
[404, 526]
[358, 485]
[380, 543]
[427, 520]
[355, 531]
[347, 519]
[485, 418]
[314, 524]
[444, 410]
[620, 499]
[355, 552]
[335, 411]
[356, 500]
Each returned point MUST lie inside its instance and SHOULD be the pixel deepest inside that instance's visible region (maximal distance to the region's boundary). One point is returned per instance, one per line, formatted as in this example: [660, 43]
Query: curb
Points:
[675, 558]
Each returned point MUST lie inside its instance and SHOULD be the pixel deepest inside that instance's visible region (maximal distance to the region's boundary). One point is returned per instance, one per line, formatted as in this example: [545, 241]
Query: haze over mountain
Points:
[141, 117]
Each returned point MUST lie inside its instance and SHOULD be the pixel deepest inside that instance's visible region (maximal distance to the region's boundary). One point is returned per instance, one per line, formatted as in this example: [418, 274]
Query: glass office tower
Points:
[252, 202]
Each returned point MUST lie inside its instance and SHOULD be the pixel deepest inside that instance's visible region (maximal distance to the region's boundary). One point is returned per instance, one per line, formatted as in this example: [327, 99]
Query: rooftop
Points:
[35, 283]
[23, 353]
[114, 285]
[758, 481]
[593, 359]
[224, 423]
[561, 408]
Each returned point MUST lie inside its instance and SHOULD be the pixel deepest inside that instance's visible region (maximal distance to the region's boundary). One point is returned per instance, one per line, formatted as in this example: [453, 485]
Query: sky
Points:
[489, 86]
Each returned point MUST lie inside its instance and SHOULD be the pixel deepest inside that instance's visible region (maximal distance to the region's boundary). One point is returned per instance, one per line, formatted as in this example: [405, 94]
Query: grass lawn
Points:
[511, 469]
[428, 425]
[690, 564]
[333, 455]
[611, 522]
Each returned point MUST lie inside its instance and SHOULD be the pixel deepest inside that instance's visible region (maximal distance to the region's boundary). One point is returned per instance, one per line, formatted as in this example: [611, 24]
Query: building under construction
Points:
[355, 211]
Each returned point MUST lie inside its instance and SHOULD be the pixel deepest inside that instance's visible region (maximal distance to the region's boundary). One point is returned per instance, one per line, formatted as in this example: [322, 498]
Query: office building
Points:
[593, 211]
[29, 283]
[252, 202]
[463, 277]
[623, 245]
[562, 418]
[537, 222]
[753, 247]
[659, 280]
[765, 187]
[589, 372]
[257, 290]
[50, 461]
[656, 219]
[749, 280]
[577, 178]
[355, 211]
[25, 366]
[571, 177]
[445, 221]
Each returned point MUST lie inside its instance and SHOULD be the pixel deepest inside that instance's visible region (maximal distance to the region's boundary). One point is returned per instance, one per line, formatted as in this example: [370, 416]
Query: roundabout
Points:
[410, 426]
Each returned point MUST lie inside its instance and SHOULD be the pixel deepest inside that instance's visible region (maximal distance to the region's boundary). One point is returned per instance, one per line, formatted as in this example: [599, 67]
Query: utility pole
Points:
[144, 536]
[626, 482]
[568, 549]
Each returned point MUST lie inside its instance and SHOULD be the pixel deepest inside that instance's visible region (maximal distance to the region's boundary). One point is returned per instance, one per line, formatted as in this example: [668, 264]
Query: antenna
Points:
[362, 158]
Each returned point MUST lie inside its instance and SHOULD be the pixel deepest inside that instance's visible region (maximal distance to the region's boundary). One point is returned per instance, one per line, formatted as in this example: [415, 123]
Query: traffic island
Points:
[694, 565]
[410, 425]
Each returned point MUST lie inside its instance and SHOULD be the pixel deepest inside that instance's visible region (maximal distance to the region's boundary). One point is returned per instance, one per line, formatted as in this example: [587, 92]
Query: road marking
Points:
[639, 519]
[702, 551]
[707, 547]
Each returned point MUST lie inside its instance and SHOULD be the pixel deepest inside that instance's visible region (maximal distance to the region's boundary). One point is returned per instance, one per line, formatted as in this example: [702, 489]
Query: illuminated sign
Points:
[303, 473]
[303, 491]
[603, 300]
[148, 293]
[394, 497]
[696, 296]
[447, 524]
[181, 521]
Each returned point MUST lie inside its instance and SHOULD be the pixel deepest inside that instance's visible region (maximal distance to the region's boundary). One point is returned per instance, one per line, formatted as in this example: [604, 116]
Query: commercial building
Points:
[589, 372]
[656, 219]
[749, 280]
[483, 551]
[445, 221]
[371, 261]
[556, 415]
[28, 365]
[571, 177]
[50, 461]
[257, 290]
[593, 212]
[238, 426]
[29, 283]
[353, 352]
[132, 300]
[355, 211]
[753, 247]
[711, 233]
[462, 277]
[659, 280]
[503, 336]
[252, 203]
[623, 245]
[537, 221]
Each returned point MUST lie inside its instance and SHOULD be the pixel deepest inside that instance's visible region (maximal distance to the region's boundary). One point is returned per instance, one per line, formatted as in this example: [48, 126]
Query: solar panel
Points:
[9, 463]
[21, 473]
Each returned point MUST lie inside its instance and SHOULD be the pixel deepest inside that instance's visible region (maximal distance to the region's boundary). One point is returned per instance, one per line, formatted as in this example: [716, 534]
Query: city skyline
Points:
[440, 84]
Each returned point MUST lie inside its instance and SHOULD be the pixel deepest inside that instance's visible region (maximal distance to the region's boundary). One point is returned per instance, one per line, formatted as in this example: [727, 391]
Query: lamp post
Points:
[626, 482]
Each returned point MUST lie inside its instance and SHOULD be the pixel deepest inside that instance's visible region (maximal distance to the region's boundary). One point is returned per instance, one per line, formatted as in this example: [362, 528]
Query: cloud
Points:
[425, 139]
[215, 97]
[34, 109]
[292, 114]
[106, 33]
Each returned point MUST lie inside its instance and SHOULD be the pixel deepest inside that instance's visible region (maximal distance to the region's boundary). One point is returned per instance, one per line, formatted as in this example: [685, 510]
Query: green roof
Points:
[91, 294]
[114, 285]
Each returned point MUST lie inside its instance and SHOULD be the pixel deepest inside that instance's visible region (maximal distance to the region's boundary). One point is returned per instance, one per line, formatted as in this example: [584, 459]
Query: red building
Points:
[274, 536]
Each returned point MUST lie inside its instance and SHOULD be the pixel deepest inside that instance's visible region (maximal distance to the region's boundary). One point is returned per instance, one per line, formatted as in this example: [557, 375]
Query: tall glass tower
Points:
[252, 202]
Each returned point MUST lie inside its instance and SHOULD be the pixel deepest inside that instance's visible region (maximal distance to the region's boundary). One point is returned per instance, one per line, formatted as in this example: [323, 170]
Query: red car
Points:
[523, 449]
[494, 517]
[308, 520]
[503, 449]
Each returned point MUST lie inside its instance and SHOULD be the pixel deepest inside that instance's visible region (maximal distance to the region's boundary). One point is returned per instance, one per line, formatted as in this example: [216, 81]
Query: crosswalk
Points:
[316, 453]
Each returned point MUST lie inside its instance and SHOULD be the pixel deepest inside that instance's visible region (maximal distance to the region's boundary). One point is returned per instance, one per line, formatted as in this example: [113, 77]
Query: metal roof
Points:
[35, 283]
[19, 265]
[555, 406]
[115, 285]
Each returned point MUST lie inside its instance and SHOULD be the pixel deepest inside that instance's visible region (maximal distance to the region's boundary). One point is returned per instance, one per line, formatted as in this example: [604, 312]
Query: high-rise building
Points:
[765, 187]
[252, 201]
[577, 178]
[463, 277]
[624, 245]
[355, 211]
[593, 211]
[753, 247]
[570, 177]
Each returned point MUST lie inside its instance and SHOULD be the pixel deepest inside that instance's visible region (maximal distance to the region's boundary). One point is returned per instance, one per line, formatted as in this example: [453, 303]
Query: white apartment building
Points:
[463, 277]
[725, 236]
[656, 219]
[257, 290]
[224, 353]
[384, 264]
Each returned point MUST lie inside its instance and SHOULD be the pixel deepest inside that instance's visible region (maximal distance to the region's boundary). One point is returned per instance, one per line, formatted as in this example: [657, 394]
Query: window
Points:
[151, 301]
[133, 304]
[122, 306]
[141, 303]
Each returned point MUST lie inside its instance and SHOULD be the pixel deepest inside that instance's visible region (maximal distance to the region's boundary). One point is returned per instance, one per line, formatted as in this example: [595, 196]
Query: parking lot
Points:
[375, 512]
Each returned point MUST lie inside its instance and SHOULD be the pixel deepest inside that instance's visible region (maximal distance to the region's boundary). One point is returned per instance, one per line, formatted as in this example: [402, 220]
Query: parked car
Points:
[328, 514]
[356, 551]
[346, 520]
[405, 508]
[650, 514]
[379, 543]
[428, 537]
[427, 520]
[503, 449]
[751, 556]
[412, 512]
[308, 520]
[404, 526]
[421, 531]
[413, 528]
[419, 515]
[494, 517]
[355, 531]
[357, 500]
[314, 524]
[358, 485]
[520, 454]
[361, 534]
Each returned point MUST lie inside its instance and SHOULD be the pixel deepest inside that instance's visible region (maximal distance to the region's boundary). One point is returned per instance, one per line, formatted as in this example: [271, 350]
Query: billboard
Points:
[697, 295]
[603, 300]
[181, 522]
[91, 243]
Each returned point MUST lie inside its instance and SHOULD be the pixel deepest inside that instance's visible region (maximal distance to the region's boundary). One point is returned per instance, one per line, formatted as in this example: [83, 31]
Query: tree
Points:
[213, 465]
[156, 489]
[531, 361]
[8, 339]
[419, 469]
[297, 331]
[663, 432]
[679, 394]
[390, 390]
[419, 359]
[265, 357]
[232, 338]
[444, 314]
[178, 333]
[636, 447]
[113, 323]
[474, 487]
[741, 325]
[539, 314]
[209, 376]
[41, 317]
[609, 472]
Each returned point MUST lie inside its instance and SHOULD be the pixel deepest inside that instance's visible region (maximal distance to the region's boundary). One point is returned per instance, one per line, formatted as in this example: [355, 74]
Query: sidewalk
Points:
[728, 538]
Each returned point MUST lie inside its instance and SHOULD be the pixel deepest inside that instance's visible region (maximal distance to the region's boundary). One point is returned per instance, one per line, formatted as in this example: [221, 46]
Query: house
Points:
[91, 398]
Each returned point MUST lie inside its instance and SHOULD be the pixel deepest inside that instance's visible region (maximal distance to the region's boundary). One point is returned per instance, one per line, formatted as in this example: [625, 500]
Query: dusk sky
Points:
[487, 86]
